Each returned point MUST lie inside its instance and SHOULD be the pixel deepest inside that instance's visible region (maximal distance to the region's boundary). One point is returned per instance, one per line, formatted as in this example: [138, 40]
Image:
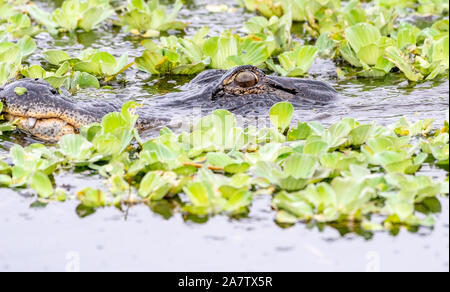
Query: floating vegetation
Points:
[80, 72]
[186, 56]
[4, 127]
[14, 23]
[370, 38]
[319, 10]
[418, 54]
[296, 62]
[426, 7]
[12, 55]
[191, 56]
[354, 173]
[74, 14]
[151, 18]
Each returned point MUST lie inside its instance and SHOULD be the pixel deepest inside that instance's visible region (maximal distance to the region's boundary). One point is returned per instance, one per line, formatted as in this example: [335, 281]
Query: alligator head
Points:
[48, 114]
[248, 88]
[45, 113]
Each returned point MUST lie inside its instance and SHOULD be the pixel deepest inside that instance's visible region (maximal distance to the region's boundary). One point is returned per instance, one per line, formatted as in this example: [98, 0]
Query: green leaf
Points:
[75, 147]
[239, 199]
[55, 57]
[394, 55]
[42, 184]
[360, 134]
[7, 72]
[34, 71]
[151, 18]
[107, 144]
[153, 186]
[298, 62]
[149, 60]
[198, 194]
[362, 35]
[219, 49]
[301, 166]
[20, 90]
[27, 46]
[42, 17]
[252, 53]
[370, 54]
[219, 159]
[92, 198]
[237, 168]
[349, 55]
[281, 115]
[85, 80]
[406, 36]
[293, 204]
[315, 148]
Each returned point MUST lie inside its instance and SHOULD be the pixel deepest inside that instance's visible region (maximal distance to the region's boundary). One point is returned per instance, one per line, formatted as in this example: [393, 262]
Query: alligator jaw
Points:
[50, 130]
[47, 114]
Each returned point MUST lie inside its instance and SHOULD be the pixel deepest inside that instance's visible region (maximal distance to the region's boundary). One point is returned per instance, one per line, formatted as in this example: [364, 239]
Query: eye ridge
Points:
[246, 79]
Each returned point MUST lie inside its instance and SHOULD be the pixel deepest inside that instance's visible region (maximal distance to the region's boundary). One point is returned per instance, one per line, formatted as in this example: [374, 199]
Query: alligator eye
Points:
[246, 79]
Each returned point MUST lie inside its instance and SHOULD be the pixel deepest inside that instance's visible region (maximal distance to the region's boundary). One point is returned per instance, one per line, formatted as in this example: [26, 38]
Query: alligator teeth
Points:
[31, 123]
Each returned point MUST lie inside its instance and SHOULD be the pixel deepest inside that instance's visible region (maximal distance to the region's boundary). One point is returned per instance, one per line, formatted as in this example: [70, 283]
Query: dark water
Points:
[55, 238]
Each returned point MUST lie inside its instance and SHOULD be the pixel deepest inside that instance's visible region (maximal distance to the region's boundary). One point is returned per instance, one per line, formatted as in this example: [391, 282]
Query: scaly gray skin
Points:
[48, 115]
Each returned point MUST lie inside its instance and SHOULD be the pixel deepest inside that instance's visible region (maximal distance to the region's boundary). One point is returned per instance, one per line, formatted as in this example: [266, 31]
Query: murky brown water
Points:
[37, 238]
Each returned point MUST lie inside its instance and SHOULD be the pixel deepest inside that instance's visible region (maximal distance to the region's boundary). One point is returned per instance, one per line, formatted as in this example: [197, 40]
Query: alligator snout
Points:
[40, 110]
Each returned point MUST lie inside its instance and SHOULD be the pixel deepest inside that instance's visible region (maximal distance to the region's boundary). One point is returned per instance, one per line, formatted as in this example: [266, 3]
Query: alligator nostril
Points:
[246, 79]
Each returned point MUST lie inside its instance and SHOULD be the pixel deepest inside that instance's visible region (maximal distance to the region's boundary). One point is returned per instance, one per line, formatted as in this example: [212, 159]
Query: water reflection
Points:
[172, 208]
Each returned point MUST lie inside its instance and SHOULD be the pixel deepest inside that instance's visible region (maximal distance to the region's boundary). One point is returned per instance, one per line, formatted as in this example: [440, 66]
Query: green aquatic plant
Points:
[228, 51]
[432, 6]
[12, 55]
[188, 56]
[151, 18]
[265, 7]
[420, 6]
[301, 10]
[175, 55]
[4, 127]
[417, 53]
[81, 72]
[315, 10]
[317, 14]
[102, 64]
[274, 31]
[355, 173]
[73, 14]
[15, 24]
[367, 38]
[296, 62]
